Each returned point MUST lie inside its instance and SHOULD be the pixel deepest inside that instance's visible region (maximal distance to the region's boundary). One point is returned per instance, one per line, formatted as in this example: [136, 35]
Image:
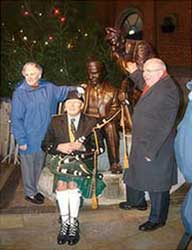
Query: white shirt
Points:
[76, 121]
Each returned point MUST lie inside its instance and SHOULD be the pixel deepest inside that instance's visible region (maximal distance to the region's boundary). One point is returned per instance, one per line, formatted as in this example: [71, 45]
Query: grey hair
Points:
[32, 64]
[158, 61]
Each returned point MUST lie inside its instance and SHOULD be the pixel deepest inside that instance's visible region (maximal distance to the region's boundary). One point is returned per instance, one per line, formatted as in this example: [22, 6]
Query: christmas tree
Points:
[59, 36]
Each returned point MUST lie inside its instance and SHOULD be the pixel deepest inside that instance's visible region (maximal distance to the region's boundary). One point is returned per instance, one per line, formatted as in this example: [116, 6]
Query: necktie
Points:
[72, 130]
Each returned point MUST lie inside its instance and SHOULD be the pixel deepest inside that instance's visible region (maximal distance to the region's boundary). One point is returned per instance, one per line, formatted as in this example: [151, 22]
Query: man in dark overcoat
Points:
[152, 161]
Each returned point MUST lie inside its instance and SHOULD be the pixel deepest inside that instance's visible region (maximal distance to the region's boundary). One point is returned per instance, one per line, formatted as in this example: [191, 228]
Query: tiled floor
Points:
[107, 228]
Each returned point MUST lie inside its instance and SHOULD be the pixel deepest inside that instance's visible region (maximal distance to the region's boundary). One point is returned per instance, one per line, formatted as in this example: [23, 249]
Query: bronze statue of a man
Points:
[124, 51]
[101, 101]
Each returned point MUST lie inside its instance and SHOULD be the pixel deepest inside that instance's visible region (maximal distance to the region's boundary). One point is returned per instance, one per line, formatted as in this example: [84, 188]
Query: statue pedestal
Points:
[103, 161]
[46, 184]
[115, 188]
[113, 193]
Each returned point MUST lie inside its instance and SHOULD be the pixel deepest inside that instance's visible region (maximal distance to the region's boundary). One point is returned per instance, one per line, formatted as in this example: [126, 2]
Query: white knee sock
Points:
[74, 203]
[63, 201]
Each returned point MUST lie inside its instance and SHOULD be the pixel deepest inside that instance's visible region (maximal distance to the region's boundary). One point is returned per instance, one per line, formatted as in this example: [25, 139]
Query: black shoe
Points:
[62, 237]
[127, 206]
[73, 233]
[184, 242]
[150, 226]
[34, 200]
[40, 197]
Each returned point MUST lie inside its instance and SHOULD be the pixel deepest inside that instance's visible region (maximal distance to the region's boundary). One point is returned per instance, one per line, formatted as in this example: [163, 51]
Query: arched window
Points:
[131, 24]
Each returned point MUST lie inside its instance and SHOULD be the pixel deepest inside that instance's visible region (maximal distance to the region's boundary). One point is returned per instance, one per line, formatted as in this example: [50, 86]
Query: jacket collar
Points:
[150, 90]
[23, 85]
[80, 129]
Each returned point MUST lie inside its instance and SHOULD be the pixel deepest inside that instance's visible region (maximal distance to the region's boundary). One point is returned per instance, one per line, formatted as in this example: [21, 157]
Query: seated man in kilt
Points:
[71, 142]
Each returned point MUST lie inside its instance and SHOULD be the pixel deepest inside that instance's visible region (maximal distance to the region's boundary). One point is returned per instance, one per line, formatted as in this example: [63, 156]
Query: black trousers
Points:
[159, 203]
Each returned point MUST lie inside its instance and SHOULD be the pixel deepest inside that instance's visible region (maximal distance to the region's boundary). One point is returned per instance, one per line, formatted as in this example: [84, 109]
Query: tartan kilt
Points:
[69, 169]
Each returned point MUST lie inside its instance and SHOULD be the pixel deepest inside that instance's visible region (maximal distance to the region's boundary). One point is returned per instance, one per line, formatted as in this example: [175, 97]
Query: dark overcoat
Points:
[153, 136]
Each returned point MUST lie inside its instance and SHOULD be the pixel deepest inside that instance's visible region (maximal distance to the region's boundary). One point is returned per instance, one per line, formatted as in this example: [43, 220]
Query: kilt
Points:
[69, 169]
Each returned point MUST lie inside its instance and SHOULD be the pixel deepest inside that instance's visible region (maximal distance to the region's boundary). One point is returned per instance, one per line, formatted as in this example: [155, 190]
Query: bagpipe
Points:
[72, 168]
[81, 167]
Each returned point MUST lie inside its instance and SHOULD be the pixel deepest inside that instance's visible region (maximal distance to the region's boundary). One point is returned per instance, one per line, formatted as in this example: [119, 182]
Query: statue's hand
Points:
[122, 96]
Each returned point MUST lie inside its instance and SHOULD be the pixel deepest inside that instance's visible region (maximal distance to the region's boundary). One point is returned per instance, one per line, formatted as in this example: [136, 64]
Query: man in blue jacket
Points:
[34, 102]
[183, 149]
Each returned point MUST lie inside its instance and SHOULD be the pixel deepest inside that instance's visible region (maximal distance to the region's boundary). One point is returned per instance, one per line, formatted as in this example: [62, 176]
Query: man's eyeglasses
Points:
[151, 70]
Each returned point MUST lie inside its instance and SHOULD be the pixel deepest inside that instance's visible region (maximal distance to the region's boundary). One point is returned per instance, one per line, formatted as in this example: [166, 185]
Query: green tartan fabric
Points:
[77, 171]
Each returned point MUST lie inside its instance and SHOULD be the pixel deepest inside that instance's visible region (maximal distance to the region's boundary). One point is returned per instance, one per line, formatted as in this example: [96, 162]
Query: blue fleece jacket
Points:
[32, 110]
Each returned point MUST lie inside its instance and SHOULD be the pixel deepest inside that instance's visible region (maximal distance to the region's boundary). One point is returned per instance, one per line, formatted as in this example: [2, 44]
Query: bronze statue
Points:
[128, 49]
[125, 50]
[101, 101]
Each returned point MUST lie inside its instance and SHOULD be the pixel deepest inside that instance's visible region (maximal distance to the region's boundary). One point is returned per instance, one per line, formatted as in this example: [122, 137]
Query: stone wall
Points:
[5, 109]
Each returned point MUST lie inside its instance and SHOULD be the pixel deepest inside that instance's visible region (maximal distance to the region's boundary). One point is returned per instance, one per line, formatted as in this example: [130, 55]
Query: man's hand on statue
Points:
[23, 147]
[130, 67]
[84, 85]
[80, 90]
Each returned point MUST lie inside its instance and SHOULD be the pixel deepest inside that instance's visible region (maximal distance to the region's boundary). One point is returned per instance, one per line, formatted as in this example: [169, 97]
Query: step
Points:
[9, 180]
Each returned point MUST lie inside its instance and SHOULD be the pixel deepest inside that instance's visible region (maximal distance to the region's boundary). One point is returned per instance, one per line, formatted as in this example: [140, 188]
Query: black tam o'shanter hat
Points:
[74, 95]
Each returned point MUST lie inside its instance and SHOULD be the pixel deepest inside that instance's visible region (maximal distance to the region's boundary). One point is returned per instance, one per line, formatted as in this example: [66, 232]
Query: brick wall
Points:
[174, 48]
[147, 11]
